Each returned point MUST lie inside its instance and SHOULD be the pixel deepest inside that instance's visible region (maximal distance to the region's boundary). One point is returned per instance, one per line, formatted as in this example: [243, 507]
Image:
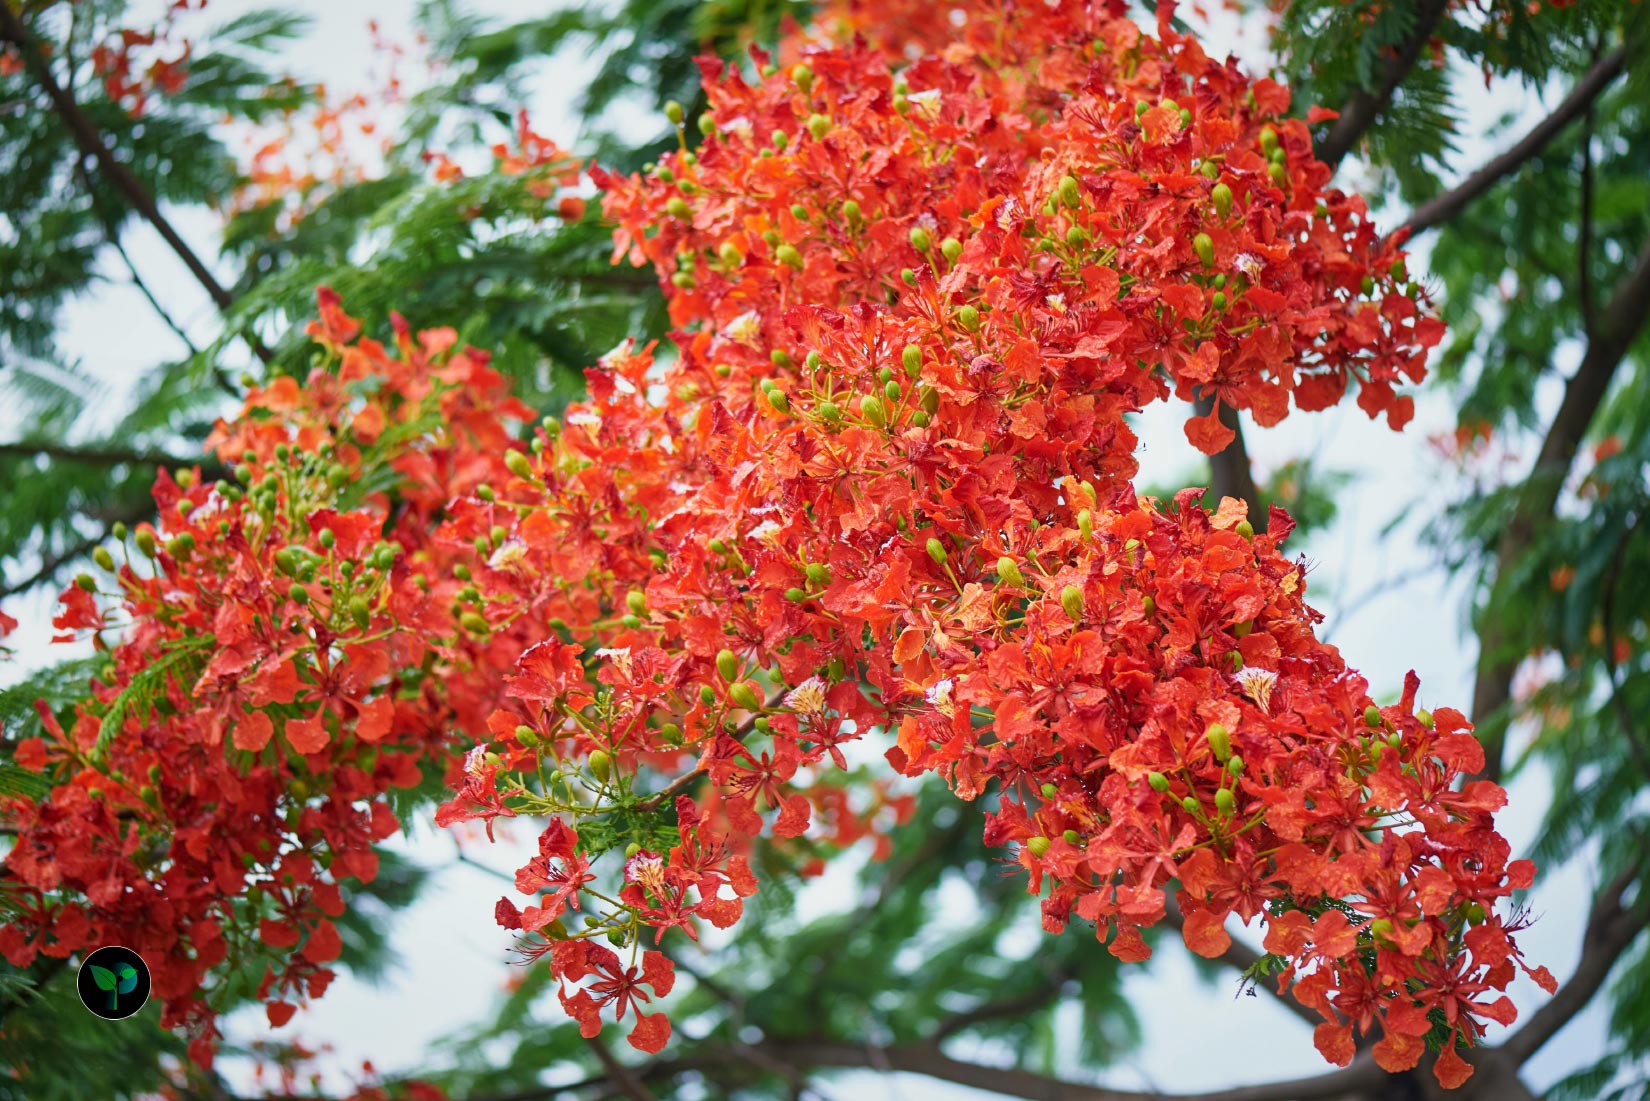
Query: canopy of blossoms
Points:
[880, 490]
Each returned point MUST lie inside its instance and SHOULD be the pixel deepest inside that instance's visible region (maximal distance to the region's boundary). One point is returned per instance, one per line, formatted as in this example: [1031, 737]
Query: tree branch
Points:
[1017, 1006]
[621, 1075]
[1614, 332]
[1366, 106]
[1611, 929]
[109, 456]
[1442, 208]
[1230, 473]
[51, 563]
[91, 143]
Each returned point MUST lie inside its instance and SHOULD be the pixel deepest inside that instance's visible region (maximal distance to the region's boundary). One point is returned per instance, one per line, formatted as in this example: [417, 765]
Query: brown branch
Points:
[1611, 929]
[91, 143]
[1230, 473]
[1018, 1006]
[1614, 332]
[622, 1076]
[108, 456]
[1446, 206]
[1366, 106]
[50, 564]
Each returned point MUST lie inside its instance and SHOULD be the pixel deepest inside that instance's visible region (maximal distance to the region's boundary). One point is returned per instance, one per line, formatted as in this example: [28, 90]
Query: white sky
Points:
[1390, 609]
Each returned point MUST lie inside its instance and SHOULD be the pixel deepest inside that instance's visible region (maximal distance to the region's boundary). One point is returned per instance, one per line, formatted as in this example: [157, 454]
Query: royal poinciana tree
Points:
[855, 557]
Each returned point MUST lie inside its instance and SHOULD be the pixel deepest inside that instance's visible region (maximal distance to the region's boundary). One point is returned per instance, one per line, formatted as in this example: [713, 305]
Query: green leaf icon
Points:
[104, 978]
[128, 978]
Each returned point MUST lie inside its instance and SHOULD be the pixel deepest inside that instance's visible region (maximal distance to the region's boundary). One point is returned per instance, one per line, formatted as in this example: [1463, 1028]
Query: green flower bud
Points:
[871, 409]
[951, 248]
[1038, 845]
[911, 357]
[707, 695]
[1071, 192]
[891, 390]
[1204, 245]
[673, 112]
[474, 622]
[803, 78]
[1050, 791]
[86, 582]
[636, 601]
[799, 212]
[1220, 741]
[829, 412]
[677, 207]
[937, 551]
[601, 765]
[298, 593]
[1008, 572]
[779, 401]
[1085, 525]
[1071, 599]
[787, 255]
[1268, 139]
[360, 612]
[1245, 529]
[1235, 765]
[1225, 802]
[519, 464]
[780, 140]
[527, 736]
[744, 696]
[1219, 302]
[1425, 718]
[920, 240]
[1072, 837]
[851, 211]
[818, 575]
[908, 277]
[707, 124]
[1191, 805]
[103, 558]
[1148, 605]
[819, 126]
[1278, 173]
[1372, 715]
[1159, 782]
[727, 664]
[969, 318]
[1400, 270]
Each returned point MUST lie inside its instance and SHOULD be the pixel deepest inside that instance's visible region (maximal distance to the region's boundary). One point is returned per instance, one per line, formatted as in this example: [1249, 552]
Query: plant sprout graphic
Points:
[122, 980]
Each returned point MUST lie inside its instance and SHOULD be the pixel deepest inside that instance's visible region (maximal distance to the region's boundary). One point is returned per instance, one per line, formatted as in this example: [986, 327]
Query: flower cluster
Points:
[287, 656]
[885, 483]
[881, 492]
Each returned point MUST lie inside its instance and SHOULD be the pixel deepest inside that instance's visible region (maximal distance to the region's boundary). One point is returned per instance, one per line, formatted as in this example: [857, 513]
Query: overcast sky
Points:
[1390, 608]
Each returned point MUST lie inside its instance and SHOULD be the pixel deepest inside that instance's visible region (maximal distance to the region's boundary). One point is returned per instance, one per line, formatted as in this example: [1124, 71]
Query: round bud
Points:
[777, 399]
[1148, 605]
[818, 575]
[519, 464]
[636, 601]
[803, 78]
[1225, 802]
[911, 357]
[1071, 600]
[1008, 572]
[1204, 245]
[937, 551]
[780, 140]
[1191, 805]
[789, 256]
[1050, 791]
[1071, 192]
[969, 318]
[673, 112]
[103, 558]
[1159, 782]
[707, 124]
[678, 208]
[1245, 529]
[328, 538]
[1425, 718]
[744, 696]
[908, 277]
[920, 240]
[951, 248]
[601, 765]
[851, 211]
[891, 390]
[1278, 174]
[1372, 715]
[86, 582]
[871, 409]
[1220, 741]
[474, 622]
[819, 126]
[799, 212]
[360, 612]
[1268, 139]
[1038, 845]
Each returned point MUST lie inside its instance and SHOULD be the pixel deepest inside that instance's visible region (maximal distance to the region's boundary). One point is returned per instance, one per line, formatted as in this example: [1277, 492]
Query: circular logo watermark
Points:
[114, 982]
